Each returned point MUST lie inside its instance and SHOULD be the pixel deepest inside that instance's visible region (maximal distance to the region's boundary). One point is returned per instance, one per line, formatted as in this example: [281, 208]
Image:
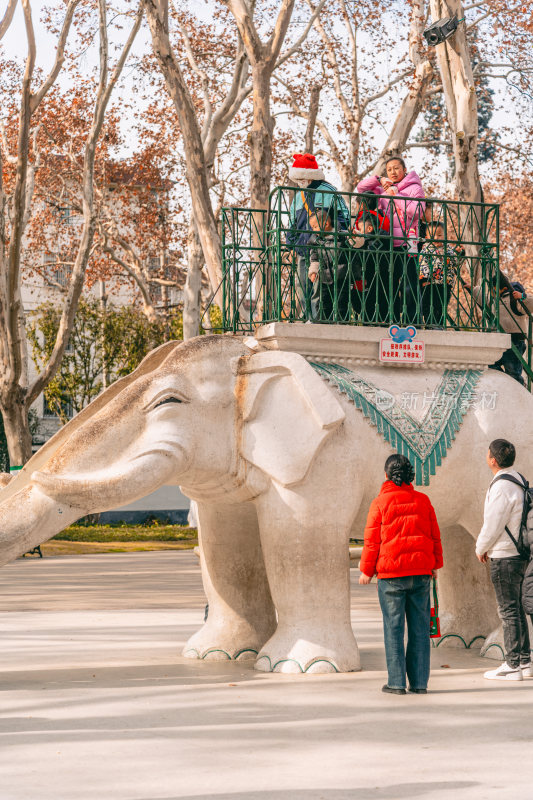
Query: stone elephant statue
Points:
[283, 458]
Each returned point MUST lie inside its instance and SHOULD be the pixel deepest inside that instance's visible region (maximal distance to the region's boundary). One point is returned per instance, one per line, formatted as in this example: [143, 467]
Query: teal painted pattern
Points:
[193, 653]
[426, 441]
[272, 667]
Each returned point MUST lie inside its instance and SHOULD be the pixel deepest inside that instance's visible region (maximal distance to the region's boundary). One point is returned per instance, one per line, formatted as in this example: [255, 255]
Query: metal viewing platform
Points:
[363, 260]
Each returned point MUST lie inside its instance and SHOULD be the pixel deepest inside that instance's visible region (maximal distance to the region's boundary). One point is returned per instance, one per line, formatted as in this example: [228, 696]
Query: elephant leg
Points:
[467, 603]
[241, 614]
[307, 561]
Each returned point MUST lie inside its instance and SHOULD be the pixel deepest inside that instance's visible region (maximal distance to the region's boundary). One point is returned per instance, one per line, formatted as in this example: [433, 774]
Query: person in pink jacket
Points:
[401, 197]
[395, 190]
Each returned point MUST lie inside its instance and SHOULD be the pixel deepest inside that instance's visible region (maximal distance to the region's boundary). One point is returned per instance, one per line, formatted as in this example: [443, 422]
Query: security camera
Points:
[441, 30]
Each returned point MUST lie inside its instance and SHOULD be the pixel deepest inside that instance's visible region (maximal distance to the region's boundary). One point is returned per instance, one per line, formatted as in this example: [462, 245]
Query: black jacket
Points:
[527, 586]
[375, 257]
[329, 254]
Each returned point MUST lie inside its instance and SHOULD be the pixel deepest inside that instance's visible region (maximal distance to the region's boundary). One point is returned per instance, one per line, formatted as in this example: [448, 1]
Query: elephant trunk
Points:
[108, 488]
[51, 501]
[29, 518]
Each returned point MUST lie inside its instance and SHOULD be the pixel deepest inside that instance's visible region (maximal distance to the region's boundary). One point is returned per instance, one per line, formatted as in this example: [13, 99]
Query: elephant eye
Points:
[167, 400]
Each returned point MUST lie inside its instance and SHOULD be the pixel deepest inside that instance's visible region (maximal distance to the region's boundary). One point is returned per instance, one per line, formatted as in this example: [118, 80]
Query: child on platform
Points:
[438, 266]
[333, 268]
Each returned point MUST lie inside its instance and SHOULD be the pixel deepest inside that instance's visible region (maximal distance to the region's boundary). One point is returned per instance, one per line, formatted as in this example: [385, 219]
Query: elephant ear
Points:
[288, 412]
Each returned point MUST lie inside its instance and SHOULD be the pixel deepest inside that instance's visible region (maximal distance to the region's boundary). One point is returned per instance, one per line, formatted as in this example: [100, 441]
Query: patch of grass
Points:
[128, 533]
[68, 548]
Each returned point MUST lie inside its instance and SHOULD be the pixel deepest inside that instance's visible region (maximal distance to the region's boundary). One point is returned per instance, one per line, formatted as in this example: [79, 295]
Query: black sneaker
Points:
[390, 690]
[417, 691]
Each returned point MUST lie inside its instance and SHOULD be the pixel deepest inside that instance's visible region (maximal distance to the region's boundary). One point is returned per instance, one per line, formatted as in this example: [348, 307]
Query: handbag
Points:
[434, 621]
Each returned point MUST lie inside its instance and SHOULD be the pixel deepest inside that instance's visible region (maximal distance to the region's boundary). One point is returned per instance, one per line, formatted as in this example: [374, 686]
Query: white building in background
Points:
[48, 285]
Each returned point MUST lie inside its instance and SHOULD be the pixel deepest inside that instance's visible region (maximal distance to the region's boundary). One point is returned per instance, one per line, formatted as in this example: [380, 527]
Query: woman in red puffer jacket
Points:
[402, 546]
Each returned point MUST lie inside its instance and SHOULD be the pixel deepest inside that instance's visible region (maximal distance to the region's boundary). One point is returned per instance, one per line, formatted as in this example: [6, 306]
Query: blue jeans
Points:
[404, 599]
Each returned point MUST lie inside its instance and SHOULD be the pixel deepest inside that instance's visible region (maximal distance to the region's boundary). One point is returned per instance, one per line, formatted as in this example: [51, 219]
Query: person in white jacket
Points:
[503, 508]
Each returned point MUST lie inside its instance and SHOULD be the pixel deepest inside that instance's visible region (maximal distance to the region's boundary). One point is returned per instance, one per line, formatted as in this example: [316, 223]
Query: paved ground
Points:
[96, 702]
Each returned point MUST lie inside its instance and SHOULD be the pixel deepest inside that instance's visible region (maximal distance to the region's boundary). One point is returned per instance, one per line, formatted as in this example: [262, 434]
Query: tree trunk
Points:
[461, 101]
[414, 99]
[196, 171]
[407, 115]
[206, 317]
[260, 137]
[314, 101]
[193, 283]
[17, 433]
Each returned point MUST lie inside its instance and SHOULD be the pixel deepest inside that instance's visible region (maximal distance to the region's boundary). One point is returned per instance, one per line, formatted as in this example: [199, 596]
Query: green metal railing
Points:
[347, 259]
[437, 265]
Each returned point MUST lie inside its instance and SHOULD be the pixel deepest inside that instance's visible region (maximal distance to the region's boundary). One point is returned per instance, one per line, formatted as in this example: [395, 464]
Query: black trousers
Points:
[392, 292]
[432, 300]
[323, 298]
[406, 288]
[509, 363]
[507, 575]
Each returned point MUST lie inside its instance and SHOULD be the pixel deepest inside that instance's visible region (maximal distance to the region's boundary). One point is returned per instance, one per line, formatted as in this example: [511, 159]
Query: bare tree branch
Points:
[202, 76]
[301, 39]
[105, 87]
[195, 161]
[8, 16]
[9, 157]
[429, 143]
[331, 54]
[478, 20]
[475, 5]
[60, 56]
[414, 98]
[388, 86]
[280, 30]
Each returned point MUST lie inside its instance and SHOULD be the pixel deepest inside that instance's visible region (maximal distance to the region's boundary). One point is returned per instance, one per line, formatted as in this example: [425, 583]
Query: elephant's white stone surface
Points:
[283, 468]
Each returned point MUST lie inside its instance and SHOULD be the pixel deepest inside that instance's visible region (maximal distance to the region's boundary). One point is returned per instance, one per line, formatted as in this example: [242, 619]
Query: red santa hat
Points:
[305, 167]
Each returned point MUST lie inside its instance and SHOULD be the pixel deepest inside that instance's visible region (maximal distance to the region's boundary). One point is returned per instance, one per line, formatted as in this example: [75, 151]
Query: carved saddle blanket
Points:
[424, 441]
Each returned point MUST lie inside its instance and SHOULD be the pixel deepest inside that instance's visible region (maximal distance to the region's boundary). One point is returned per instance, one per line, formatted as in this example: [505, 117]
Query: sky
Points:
[14, 45]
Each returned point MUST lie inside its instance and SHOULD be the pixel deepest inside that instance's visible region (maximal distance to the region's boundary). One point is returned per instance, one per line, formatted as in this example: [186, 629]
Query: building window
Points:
[50, 411]
[56, 271]
[65, 214]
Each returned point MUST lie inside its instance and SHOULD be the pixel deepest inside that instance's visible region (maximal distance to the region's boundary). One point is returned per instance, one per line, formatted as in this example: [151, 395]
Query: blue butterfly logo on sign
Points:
[399, 335]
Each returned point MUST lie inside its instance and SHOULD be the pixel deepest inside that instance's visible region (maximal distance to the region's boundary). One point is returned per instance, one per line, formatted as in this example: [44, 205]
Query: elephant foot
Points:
[213, 643]
[298, 651]
[493, 645]
[470, 633]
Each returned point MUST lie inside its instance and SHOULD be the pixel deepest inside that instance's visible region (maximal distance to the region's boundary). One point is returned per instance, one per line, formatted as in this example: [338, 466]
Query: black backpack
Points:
[525, 532]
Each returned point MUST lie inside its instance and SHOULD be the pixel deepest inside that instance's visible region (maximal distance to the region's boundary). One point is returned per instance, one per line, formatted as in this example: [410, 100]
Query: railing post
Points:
[234, 232]
[224, 272]
[279, 304]
[525, 360]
